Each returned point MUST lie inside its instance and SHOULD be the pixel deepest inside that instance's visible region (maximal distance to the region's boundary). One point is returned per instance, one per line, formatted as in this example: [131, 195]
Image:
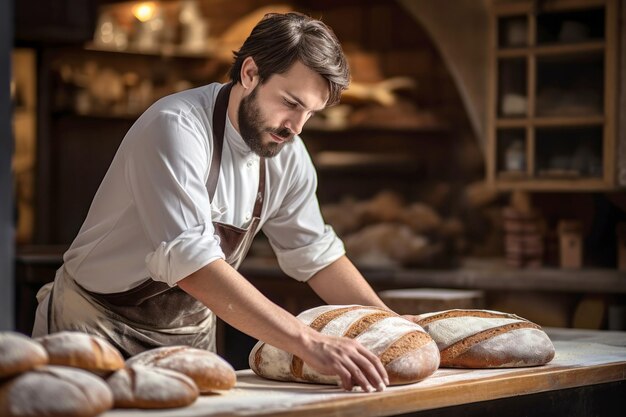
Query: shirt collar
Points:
[236, 141]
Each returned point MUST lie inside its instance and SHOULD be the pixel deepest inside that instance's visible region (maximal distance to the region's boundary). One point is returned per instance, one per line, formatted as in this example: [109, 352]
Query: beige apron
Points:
[154, 314]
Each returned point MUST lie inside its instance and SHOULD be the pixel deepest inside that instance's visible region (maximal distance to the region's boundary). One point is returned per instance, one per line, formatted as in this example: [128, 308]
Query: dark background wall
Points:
[6, 143]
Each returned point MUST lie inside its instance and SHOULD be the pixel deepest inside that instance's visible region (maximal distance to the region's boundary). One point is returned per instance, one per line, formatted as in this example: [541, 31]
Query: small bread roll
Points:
[140, 386]
[19, 353]
[82, 350]
[53, 391]
[209, 371]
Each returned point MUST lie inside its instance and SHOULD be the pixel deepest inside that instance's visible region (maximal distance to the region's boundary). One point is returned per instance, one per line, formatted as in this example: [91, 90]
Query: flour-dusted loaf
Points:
[209, 371]
[405, 349]
[51, 391]
[486, 339]
[138, 386]
[19, 353]
[82, 350]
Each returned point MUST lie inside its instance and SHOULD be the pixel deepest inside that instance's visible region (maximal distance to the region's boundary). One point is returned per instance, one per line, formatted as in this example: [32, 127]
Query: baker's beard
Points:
[252, 127]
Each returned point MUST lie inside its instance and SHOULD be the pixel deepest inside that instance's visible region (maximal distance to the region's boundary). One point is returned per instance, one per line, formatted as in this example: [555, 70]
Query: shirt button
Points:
[247, 216]
[249, 163]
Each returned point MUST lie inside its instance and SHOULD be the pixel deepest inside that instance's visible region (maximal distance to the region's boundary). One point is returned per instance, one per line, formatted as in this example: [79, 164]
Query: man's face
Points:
[253, 128]
[274, 112]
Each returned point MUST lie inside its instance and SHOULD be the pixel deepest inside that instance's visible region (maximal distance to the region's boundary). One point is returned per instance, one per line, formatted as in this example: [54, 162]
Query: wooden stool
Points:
[427, 300]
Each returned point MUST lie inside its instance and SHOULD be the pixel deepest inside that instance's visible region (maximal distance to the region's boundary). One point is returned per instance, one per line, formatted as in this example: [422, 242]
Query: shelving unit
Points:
[551, 129]
[164, 52]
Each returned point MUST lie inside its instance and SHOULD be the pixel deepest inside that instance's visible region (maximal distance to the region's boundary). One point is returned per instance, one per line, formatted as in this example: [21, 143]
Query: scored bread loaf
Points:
[209, 371]
[407, 352]
[19, 353]
[82, 350]
[138, 386]
[53, 391]
[486, 339]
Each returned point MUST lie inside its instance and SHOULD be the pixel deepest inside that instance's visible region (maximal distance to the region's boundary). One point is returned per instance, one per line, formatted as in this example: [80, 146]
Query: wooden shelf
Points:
[341, 161]
[97, 115]
[553, 184]
[557, 121]
[553, 49]
[508, 8]
[496, 276]
[165, 52]
[485, 274]
[319, 128]
[513, 175]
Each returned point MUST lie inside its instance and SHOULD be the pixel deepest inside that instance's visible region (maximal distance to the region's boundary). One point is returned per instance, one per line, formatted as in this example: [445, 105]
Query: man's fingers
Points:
[375, 377]
[359, 377]
[346, 378]
[350, 361]
[374, 360]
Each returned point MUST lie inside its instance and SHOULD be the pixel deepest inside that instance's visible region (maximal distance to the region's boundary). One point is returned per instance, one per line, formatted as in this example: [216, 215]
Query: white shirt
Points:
[151, 216]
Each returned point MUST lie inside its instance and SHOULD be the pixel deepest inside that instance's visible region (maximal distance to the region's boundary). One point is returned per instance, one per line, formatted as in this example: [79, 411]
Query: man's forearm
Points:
[231, 297]
[341, 283]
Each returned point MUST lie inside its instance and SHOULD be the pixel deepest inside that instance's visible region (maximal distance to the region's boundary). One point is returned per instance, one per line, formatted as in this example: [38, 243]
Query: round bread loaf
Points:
[404, 348]
[486, 339]
[19, 353]
[209, 371]
[139, 386]
[82, 350]
[52, 391]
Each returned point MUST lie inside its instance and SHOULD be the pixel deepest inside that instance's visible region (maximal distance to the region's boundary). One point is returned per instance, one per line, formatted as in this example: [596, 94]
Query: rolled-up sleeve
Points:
[166, 175]
[303, 243]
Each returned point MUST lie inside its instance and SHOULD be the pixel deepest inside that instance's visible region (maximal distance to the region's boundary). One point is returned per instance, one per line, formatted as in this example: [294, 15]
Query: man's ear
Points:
[249, 74]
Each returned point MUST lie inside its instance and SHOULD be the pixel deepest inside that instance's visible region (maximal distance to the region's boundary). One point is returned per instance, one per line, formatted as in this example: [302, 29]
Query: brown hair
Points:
[279, 39]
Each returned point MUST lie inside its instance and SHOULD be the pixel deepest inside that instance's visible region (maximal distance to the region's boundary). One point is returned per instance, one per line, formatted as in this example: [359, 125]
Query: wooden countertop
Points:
[583, 358]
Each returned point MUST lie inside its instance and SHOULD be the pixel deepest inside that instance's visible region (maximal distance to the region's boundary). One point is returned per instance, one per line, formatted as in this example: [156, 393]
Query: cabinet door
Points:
[58, 21]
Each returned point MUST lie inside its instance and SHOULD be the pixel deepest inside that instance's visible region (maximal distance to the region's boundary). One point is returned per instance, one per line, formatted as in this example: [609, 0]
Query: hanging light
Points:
[144, 11]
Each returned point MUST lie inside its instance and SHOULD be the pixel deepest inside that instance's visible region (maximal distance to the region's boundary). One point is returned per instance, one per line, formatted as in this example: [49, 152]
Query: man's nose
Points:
[296, 122]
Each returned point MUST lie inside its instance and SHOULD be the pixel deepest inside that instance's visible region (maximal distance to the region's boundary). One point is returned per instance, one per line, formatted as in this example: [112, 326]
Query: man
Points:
[195, 178]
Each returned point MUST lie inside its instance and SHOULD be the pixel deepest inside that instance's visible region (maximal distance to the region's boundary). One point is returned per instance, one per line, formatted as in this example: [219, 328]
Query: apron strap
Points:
[50, 302]
[219, 124]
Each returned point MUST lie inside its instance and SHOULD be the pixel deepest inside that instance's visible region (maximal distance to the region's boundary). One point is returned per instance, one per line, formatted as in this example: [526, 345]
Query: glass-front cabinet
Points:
[554, 95]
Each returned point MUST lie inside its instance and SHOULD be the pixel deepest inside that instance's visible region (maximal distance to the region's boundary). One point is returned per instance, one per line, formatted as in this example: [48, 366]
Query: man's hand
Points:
[347, 358]
[237, 302]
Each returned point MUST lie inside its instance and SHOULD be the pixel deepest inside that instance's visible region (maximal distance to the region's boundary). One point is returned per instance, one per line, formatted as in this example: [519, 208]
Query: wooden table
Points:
[587, 377]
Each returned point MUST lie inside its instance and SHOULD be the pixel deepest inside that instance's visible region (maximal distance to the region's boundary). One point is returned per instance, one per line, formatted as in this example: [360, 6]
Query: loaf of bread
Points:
[138, 386]
[404, 348]
[82, 350]
[209, 371]
[19, 353]
[486, 339]
[53, 391]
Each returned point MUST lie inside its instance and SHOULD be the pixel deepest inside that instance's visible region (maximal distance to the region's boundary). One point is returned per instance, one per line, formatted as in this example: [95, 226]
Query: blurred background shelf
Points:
[554, 72]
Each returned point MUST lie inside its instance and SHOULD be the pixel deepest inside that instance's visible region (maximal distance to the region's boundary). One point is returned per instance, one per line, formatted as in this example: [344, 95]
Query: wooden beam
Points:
[461, 33]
